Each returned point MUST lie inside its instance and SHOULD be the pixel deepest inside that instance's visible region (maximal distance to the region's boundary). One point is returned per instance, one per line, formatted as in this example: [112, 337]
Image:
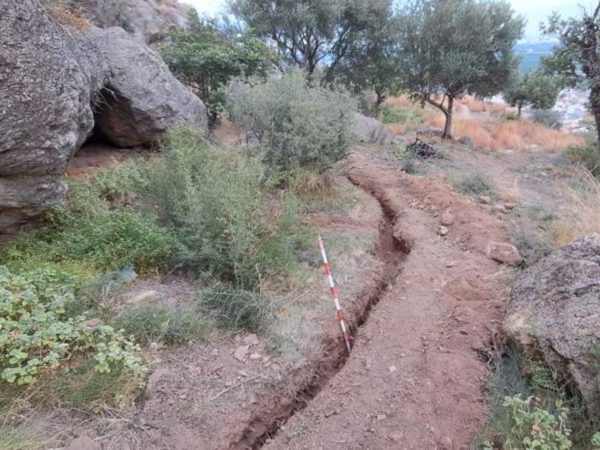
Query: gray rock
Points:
[53, 81]
[369, 130]
[141, 98]
[554, 314]
[147, 20]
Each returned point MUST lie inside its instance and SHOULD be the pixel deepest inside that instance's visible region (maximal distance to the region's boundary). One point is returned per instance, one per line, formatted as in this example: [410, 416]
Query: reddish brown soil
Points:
[414, 379]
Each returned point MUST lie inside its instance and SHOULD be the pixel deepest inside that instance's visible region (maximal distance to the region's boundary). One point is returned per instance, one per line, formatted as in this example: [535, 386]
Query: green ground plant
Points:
[236, 308]
[472, 184]
[36, 335]
[156, 323]
[96, 230]
[530, 408]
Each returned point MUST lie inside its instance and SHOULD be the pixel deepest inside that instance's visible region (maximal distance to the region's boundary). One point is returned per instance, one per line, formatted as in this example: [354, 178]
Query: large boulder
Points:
[554, 314]
[369, 130]
[55, 83]
[141, 99]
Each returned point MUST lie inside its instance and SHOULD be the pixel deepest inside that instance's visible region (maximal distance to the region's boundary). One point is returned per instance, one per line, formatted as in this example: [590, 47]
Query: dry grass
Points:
[478, 106]
[70, 18]
[516, 135]
[401, 101]
[582, 214]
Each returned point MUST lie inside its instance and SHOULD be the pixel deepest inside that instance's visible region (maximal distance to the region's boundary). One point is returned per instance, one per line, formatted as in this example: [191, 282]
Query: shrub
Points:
[586, 155]
[153, 323]
[230, 226]
[301, 125]
[36, 334]
[472, 184]
[547, 117]
[236, 308]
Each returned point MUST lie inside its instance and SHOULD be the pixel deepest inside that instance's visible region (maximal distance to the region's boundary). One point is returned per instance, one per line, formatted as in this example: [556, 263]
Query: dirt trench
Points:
[306, 382]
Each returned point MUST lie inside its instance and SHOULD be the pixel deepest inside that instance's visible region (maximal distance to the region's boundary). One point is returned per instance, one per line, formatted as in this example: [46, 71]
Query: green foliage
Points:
[596, 440]
[230, 225]
[301, 125]
[547, 117]
[152, 323]
[109, 242]
[472, 184]
[410, 115]
[535, 89]
[456, 47]
[207, 57]
[535, 428]
[236, 308]
[36, 334]
[96, 229]
[311, 33]
[575, 59]
[587, 155]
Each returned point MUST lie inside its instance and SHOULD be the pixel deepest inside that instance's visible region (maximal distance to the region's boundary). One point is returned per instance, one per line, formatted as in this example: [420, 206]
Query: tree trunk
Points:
[381, 96]
[449, 115]
[519, 106]
[595, 107]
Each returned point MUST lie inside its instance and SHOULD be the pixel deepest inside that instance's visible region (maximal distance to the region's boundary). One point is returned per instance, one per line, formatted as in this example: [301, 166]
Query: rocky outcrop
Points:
[554, 313]
[55, 83]
[146, 20]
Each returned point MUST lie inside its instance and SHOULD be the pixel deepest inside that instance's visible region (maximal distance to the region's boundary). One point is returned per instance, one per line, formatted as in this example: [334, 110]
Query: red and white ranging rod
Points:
[334, 293]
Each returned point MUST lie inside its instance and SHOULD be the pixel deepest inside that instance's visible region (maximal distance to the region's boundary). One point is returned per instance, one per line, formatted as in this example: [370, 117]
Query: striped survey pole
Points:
[334, 293]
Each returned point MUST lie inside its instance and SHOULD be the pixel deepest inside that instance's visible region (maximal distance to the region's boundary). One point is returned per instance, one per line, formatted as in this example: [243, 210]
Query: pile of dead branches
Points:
[423, 149]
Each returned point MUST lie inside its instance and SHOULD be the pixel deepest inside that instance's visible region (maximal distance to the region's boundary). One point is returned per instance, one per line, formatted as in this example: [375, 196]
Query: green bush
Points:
[153, 323]
[547, 117]
[229, 224]
[36, 334]
[236, 308]
[472, 184]
[97, 229]
[586, 155]
[302, 125]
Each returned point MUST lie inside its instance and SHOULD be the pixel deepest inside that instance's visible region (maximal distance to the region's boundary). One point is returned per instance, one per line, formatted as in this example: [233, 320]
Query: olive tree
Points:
[535, 89]
[314, 33]
[206, 56]
[451, 48]
[374, 66]
[575, 59]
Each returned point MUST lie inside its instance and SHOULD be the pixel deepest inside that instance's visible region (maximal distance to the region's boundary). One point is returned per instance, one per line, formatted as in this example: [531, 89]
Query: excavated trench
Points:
[306, 382]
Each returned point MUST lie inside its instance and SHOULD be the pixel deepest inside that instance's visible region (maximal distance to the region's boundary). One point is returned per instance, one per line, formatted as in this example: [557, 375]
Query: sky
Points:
[534, 10]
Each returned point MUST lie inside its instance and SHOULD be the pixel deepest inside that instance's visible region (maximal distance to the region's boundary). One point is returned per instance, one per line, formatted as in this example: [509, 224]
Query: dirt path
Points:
[414, 379]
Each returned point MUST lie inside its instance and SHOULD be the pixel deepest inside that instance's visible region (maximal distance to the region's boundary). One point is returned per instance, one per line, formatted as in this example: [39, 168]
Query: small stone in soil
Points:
[251, 339]
[241, 352]
[392, 369]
